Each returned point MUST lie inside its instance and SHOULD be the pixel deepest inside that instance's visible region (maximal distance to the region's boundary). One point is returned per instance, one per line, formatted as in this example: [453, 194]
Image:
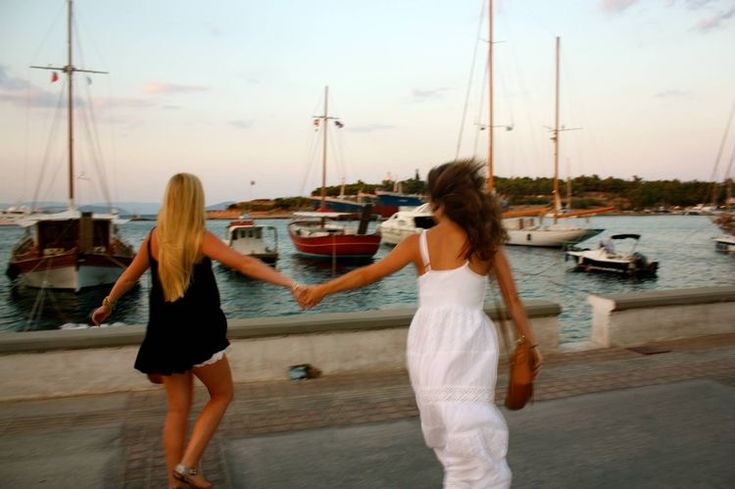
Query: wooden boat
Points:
[70, 249]
[248, 238]
[317, 234]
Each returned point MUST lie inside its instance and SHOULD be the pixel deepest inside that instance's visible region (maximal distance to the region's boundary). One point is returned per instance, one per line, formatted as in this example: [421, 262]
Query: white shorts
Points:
[213, 359]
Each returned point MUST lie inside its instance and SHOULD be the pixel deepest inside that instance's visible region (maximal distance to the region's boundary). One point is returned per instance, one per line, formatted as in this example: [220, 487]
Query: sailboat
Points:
[317, 234]
[69, 250]
[528, 228]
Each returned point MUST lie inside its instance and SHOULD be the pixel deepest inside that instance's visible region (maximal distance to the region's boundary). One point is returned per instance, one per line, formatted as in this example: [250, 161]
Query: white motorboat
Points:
[725, 243]
[13, 215]
[405, 223]
[249, 239]
[607, 258]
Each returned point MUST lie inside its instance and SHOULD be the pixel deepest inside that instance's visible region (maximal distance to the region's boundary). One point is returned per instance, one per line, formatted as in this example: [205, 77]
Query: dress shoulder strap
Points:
[148, 243]
[424, 248]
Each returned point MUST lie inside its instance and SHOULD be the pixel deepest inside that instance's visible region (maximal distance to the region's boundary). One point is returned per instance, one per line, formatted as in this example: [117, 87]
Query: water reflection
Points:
[37, 309]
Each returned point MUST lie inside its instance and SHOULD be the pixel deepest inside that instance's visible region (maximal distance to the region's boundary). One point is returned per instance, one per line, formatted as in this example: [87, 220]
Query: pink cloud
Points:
[166, 88]
[616, 6]
[714, 21]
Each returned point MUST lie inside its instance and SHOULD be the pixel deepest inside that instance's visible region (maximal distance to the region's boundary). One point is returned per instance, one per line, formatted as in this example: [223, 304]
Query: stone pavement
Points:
[657, 417]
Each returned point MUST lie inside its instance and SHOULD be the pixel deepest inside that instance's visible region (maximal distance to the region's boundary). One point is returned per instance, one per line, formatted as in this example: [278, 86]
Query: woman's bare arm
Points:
[403, 254]
[216, 249]
[124, 283]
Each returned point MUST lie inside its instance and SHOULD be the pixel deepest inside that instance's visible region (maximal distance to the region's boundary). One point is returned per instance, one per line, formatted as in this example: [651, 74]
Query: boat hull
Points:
[388, 203]
[549, 237]
[726, 244]
[335, 244]
[635, 265]
[337, 205]
[69, 271]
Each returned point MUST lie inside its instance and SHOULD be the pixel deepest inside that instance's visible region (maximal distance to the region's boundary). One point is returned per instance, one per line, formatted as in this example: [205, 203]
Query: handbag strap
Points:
[500, 311]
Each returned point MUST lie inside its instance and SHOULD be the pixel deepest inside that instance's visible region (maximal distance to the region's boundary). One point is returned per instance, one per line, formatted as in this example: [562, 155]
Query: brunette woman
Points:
[452, 346]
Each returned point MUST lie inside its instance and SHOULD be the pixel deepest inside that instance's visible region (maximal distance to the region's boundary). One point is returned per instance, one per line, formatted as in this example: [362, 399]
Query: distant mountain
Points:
[221, 206]
[123, 208]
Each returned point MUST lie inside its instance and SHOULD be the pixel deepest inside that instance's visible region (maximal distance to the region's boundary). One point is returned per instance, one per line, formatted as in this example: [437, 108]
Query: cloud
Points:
[168, 88]
[242, 124]
[695, 4]
[24, 94]
[8, 82]
[616, 6]
[422, 95]
[116, 102]
[714, 21]
[674, 93]
[370, 127]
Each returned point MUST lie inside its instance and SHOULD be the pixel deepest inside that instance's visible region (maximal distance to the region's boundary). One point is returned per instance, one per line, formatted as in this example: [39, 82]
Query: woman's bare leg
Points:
[217, 377]
[179, 393]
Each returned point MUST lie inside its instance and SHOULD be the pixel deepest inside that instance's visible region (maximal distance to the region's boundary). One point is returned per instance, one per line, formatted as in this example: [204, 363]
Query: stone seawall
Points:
[44, 364]
[73, 362]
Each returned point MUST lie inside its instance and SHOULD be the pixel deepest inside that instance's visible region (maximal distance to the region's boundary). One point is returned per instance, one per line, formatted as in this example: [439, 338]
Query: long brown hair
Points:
[181, 226]
[458, 187]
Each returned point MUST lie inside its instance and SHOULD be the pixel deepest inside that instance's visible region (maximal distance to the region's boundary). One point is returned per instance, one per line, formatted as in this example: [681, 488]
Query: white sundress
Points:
[452, 357]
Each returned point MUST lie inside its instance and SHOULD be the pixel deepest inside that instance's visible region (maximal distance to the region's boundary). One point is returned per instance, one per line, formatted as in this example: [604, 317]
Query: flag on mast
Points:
[54, 77]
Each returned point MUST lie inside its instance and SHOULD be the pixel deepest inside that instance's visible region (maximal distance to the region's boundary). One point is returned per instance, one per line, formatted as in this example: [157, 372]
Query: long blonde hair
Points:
[180, 228]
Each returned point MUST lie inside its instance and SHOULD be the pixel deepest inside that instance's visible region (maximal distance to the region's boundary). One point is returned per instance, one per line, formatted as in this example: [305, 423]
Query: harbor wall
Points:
[43, 364]
[625, 320]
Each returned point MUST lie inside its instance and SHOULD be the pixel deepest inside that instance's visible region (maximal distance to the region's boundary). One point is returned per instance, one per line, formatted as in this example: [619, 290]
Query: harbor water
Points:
[682, 245]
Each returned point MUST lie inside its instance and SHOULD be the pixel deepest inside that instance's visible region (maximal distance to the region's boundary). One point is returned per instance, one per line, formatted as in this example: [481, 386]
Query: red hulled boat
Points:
[316, 234]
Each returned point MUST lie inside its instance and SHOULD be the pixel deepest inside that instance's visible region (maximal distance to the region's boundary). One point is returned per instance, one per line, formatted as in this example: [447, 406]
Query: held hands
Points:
[307, 296]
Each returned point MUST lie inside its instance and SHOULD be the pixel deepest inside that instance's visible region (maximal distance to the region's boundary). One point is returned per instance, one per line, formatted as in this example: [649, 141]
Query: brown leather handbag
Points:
[520, 383]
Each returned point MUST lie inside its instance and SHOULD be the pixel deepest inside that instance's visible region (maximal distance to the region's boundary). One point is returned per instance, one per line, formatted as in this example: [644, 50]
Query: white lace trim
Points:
[214, 358]
[454, 393]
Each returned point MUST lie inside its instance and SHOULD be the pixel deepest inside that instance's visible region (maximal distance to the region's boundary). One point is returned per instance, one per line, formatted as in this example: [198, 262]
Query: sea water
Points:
[682, 245]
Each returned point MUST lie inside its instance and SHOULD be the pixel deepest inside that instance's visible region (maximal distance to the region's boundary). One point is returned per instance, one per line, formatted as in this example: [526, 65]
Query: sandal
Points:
[187, 475]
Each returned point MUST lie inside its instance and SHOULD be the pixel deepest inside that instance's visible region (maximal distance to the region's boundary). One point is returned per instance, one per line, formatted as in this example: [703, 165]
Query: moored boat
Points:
[725, 243]
[405, 223]
[71, 249]
[13, 215]
[388, 203]
[607, 258]
[248, 238]
[316, 234]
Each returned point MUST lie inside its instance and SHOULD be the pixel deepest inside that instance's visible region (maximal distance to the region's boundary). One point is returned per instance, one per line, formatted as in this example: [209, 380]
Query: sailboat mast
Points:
[70, 107]
[555, 138]
[490, 178]
[325, 118]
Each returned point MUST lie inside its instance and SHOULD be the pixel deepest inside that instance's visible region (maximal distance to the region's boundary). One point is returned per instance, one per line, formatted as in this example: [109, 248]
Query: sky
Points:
[227, 90]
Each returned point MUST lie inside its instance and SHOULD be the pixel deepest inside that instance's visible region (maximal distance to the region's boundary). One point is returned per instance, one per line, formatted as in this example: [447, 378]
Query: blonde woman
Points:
[186, 334]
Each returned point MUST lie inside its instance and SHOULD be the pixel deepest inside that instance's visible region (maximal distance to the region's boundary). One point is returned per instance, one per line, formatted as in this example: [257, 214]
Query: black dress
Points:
[185, 332]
